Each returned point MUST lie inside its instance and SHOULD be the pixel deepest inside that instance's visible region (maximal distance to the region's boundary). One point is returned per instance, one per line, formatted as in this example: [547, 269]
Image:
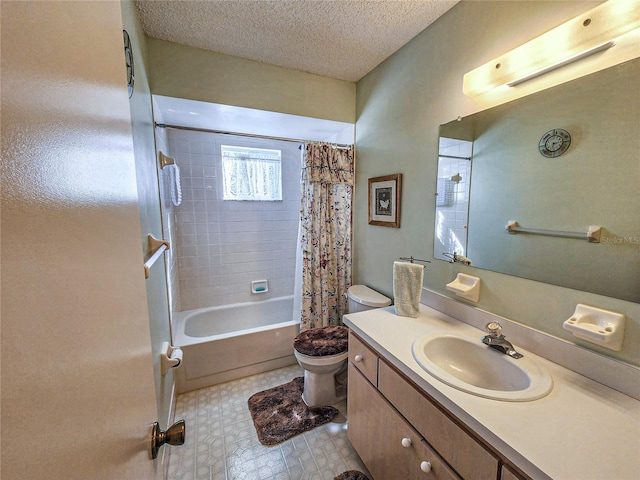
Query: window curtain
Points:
[251, 177]
[325, 226]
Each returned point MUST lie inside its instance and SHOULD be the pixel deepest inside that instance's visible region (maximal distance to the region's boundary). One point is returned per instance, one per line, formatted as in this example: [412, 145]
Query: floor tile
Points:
[222, 444]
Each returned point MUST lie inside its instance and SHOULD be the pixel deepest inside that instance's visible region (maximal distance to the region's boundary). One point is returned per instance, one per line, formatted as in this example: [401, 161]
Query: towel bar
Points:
[157, 247]
[411, 259]
[592, 235]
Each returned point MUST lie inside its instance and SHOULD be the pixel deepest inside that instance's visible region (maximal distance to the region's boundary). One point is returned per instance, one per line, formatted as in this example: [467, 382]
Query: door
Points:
[77, 378]
[150, 214]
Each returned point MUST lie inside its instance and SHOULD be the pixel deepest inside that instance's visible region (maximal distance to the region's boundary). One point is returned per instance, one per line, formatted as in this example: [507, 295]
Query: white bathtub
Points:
[232, 341]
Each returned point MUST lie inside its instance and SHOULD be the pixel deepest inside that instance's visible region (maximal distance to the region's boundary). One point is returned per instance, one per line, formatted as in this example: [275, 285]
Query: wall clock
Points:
[128, 58]
[554, 143]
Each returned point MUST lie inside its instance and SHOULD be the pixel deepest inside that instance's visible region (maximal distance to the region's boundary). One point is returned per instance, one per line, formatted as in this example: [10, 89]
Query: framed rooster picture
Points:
[384, 200]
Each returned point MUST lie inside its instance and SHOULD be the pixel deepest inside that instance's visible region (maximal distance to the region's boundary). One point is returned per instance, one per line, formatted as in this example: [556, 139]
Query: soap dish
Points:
[466, 286]
[259, 286]
[598, 326]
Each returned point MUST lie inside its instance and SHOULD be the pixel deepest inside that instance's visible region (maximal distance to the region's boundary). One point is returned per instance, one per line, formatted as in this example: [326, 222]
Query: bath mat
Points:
[280, 413]
[352, 475]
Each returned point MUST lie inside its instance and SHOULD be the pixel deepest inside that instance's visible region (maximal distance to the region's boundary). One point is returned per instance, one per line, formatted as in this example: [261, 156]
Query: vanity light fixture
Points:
[585, 35]
[562, 63]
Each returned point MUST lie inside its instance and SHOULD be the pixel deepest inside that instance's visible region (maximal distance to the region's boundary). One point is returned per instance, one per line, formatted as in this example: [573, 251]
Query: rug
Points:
[279, 413]
[351, 475]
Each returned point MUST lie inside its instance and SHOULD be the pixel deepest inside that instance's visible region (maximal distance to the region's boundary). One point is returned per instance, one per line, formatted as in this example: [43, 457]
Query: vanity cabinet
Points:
[385, 409]
[388, 445]
[508, 474]
[465, 454]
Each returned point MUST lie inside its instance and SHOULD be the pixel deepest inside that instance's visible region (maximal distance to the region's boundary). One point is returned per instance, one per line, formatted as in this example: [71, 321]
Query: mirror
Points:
[593, 183]
[452, 198]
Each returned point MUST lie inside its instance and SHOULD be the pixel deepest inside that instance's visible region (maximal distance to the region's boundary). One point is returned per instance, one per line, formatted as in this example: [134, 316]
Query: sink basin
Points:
[475, 368]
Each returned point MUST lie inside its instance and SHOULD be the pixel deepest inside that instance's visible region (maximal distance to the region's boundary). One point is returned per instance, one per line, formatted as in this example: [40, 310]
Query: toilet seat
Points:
[320, 361]
[328, 341]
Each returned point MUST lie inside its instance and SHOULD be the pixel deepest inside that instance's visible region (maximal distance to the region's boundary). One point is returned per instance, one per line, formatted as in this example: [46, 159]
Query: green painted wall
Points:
[400, 106]
[185, 72]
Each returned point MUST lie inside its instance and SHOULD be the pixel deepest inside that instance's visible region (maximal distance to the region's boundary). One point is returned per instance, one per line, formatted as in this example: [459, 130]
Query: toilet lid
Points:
[323, 341]
[367, 296]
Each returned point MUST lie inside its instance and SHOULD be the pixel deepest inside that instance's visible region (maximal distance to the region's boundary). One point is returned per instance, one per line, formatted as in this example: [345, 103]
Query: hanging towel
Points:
[407, 288]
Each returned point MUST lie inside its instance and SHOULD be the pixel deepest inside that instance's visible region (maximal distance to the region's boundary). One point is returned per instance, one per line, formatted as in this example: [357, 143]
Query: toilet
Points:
[322, 352]
[363, 298]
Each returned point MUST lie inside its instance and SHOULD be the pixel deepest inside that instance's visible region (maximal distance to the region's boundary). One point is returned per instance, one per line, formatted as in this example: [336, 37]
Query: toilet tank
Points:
[363, 298]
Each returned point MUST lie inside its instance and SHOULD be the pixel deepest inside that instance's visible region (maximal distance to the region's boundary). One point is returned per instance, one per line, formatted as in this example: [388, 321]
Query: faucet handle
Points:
[494, 329]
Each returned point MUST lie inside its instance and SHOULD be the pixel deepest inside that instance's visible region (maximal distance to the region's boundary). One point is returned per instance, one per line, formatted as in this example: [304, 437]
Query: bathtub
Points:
[232, 341]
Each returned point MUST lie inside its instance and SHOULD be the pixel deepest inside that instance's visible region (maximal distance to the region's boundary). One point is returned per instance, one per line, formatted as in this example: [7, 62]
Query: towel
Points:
[407, 288]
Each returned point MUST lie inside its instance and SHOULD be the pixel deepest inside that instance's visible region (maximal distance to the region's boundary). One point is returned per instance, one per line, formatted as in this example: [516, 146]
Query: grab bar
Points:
[158, 247]
[592, 235]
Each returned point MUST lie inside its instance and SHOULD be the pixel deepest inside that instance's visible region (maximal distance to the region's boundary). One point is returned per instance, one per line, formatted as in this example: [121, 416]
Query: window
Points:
[251, 173]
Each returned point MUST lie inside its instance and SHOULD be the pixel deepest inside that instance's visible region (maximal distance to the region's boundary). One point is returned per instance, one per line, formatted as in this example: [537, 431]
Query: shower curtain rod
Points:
[222, 132]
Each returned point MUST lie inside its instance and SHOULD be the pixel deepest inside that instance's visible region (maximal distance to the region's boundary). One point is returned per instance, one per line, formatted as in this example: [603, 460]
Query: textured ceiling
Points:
[342, 39]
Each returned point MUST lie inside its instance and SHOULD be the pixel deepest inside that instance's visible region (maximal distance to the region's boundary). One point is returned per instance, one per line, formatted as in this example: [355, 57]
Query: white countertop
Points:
[582, 430]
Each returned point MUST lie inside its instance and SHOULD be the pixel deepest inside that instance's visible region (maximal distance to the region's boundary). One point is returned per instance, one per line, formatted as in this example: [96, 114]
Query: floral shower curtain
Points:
[325, 223]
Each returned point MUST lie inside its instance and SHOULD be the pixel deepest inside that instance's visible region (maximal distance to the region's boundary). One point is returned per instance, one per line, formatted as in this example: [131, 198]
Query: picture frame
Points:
[384, 200]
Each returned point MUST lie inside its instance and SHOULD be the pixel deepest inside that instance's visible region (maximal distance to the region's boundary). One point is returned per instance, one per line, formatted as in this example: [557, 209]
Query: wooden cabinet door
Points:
[377, 432]
[468, 457]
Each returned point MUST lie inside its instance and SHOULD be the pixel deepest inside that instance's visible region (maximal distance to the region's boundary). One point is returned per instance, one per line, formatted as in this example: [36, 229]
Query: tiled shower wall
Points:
[221, 246]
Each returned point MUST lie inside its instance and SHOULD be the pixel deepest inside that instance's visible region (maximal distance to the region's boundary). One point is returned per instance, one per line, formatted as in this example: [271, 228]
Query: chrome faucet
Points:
[496, 340]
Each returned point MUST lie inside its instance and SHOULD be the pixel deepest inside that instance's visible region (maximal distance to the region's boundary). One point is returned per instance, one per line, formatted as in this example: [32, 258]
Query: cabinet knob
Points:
[357, 358]
[425, 466]
[406, 442]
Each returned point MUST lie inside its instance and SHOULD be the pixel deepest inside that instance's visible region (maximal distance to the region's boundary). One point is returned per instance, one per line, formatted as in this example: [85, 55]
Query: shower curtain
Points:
[325, 233]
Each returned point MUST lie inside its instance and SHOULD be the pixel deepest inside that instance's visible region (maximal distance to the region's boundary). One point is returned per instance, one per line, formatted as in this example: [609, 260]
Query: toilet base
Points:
[321, 389]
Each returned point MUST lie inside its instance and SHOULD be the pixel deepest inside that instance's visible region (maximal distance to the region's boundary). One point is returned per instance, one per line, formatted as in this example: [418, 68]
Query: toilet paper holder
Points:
[170, 357]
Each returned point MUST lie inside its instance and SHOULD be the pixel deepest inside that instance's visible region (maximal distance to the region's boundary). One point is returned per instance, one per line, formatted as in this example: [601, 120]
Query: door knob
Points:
[174, 435]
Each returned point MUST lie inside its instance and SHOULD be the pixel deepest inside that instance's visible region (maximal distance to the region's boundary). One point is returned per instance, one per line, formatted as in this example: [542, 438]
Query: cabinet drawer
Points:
[467, 457]
[364, 359]
[377, 433]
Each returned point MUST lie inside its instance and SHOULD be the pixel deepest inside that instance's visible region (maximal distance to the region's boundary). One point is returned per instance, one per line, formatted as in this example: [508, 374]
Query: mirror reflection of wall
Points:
[595, 182]
[452, 198]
